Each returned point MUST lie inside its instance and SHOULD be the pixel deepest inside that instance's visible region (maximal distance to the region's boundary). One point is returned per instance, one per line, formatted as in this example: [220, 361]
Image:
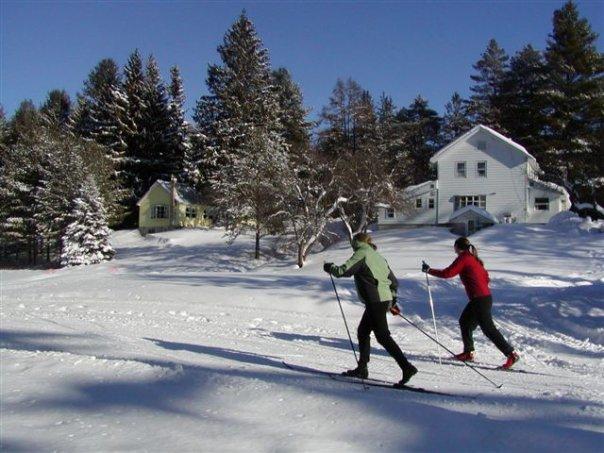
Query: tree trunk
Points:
[257, 249]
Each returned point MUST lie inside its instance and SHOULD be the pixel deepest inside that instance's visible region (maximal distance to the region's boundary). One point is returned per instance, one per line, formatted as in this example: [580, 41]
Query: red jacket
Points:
[474, 276]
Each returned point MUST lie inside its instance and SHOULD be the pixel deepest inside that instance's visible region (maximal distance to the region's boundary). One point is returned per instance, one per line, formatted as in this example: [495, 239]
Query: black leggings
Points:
[374, 319]
[478, 313]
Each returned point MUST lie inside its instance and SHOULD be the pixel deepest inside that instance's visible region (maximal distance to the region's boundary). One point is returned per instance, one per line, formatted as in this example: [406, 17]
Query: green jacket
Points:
[374, 280]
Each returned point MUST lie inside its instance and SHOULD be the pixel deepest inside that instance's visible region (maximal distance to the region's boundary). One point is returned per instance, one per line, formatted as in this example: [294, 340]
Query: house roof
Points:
[494, 133]
[476, 210]
[553, 187]
[184, 193]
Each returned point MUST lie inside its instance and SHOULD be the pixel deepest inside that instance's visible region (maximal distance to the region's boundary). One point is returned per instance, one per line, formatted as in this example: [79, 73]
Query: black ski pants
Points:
[374, 319]
[478, 313]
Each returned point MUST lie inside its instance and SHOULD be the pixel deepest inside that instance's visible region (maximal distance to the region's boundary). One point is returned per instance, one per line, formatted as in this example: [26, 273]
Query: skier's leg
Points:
[382, 334]
[467, 323]
[485, 320]
[364, 337]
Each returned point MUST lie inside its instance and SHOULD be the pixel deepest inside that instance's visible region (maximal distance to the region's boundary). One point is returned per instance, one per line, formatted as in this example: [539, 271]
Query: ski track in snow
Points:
[177, 344]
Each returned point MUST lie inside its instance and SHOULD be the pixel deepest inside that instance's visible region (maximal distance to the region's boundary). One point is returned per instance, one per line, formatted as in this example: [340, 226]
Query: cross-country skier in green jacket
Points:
[376, 287]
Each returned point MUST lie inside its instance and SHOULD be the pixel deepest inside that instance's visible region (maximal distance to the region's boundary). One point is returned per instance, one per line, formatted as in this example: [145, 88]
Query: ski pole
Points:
[448, 350]
[344, 317]
[440, 362]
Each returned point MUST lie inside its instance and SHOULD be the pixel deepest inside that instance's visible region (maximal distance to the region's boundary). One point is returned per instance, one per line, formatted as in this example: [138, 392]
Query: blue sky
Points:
[402, 48]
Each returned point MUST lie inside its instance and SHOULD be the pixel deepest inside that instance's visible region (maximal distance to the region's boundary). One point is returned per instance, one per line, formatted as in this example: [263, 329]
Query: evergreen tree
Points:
[181, 157]
[522, 93]
[421, 131]
[23, 163]
[57, 108]
[134, 89]
[241, 115]
[108, 109]
[155, 161]
[80, 121]
[455, 121]
[485, 103]
[574, 106]
[86, 238]
[296, 128]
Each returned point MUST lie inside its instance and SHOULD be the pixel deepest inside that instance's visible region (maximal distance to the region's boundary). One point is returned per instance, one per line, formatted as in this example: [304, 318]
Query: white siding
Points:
[506, 185]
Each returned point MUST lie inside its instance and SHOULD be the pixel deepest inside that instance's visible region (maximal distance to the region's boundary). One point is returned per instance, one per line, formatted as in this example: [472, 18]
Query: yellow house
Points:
[169, 205]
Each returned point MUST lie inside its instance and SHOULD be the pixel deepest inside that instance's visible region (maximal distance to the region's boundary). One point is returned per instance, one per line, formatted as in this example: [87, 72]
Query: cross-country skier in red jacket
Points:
[475, 279]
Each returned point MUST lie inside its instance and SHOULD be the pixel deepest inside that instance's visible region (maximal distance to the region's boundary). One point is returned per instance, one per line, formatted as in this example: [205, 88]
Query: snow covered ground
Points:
[177, 345]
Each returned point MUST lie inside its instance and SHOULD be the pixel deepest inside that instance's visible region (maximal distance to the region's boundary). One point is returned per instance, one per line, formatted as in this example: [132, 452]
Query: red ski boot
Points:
[465, 356]
[512, 359]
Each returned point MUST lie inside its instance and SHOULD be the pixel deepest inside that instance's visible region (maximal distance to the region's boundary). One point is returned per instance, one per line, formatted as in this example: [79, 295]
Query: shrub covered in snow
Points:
[571, 222]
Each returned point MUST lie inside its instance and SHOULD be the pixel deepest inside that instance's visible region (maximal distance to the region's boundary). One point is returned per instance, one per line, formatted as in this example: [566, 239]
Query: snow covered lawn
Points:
[177, 345]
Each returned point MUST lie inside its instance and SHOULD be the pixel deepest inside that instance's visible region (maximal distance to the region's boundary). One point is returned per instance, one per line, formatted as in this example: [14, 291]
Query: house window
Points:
[482, 145]
[389, 213]
[541, 204]
[460, 169]
[481, 169]
[461, 201]
[418, 203]
[191, 212]
[159, 211]
[430, 203]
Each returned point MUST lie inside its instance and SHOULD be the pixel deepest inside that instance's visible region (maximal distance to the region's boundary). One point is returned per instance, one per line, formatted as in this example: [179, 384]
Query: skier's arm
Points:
[393, 283]
[454, 269]
[350, 267]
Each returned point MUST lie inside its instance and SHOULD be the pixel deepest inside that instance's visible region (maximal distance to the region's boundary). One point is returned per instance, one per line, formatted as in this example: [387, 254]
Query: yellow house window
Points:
[159, 211]
[191, 212]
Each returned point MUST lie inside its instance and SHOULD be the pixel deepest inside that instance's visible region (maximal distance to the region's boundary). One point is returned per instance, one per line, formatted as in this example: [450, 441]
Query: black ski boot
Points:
[408, 373]
[360, 372]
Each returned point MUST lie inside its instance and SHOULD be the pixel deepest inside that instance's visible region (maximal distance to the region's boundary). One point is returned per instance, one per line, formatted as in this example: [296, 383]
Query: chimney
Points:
[172, 200]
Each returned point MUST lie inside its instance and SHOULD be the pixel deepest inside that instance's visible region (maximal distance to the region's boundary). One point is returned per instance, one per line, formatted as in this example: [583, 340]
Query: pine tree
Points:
[108, 109]
[80, 121]
[57, 108]
[296, 128]
[455, 120]
[180, 157]
[574, 106]
[485, 103]
[86, 238]
[134, 89]
[241, 115]
[421, 131]
[155, 161]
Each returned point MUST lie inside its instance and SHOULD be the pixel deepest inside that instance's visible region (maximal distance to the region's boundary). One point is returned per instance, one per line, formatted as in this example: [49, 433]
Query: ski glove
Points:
[425, 267]
[327, 267]
[394, 308]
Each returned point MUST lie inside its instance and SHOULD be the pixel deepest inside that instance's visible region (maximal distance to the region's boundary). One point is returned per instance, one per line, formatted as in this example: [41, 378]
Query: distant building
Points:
[488, 172]
[168, 205]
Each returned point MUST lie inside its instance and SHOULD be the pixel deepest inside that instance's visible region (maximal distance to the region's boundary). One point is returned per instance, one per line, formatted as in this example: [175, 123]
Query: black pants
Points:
[478, 313]
[374, 319]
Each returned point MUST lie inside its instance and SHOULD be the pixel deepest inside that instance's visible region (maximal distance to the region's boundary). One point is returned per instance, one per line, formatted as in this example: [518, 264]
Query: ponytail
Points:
[463, 243]
[364, 237]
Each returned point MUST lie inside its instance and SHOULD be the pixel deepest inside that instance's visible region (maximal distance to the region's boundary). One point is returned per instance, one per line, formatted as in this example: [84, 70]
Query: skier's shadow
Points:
[225, 353]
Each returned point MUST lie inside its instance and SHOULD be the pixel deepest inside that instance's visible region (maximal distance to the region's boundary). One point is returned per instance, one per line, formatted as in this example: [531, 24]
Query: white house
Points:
[482, 178]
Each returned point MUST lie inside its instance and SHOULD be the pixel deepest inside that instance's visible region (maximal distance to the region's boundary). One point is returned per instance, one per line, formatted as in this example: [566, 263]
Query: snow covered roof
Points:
[494, 133]
[418, 186]
[475, 209]
[552, 186]
[184, 193]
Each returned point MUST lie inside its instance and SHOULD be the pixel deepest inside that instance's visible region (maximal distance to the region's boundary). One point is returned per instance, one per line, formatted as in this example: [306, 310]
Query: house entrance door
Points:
[471, 227]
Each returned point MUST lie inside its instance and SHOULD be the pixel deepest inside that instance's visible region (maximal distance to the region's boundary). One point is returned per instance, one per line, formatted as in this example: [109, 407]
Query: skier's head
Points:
[362, 237]
[463, 244]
